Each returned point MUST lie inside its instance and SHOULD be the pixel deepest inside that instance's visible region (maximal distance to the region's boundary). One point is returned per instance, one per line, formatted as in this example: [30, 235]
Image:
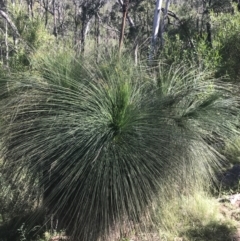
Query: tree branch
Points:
[10, 22]
[128, 18]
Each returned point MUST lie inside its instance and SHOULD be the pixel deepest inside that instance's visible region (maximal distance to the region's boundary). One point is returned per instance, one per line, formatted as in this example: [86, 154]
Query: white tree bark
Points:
[6, 42]
[156, 24]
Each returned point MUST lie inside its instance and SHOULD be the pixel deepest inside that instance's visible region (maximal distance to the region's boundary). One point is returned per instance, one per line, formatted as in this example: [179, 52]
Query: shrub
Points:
[105, 144]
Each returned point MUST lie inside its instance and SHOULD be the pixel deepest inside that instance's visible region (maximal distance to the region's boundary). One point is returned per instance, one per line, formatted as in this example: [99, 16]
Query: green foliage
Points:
[16, 197]
[230, 57]
[31, 30]
[213, 231]
[18, 201]
[19, 61]
[226, 41]
[177, 49]
[34, 39]
[232, 150]
[107, 142]
[194, 217]
[187, 40]
[104, 142]
[62, 64]
[173, 52]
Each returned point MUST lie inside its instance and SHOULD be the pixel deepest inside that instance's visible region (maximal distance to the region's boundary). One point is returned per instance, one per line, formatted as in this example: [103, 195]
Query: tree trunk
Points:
[84, 31]
[30, 8]
[54, 19]
[162, 23]
[136, 54]
[124, 9]
[156, 24]
[209, 34]
[2, 5]
[45, 5]
[10, 22]
[6, 43]
[76, 23]
[130, 20]
[97, 35]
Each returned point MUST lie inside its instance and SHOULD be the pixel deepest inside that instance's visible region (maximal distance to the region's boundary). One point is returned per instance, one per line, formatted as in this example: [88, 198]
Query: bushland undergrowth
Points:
[114, 149]
[102, 144]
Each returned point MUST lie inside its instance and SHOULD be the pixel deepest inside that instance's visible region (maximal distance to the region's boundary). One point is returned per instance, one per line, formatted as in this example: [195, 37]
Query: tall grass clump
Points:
[108, 142]
[203, 112]
[194, 217]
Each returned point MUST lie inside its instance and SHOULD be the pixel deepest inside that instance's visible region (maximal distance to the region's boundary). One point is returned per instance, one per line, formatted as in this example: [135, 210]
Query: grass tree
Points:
[108, 143]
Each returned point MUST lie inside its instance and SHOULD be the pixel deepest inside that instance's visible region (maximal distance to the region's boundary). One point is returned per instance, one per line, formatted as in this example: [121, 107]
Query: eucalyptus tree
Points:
[6, 16]
[45, 5]
[86, 11]
[156, 25]
[7, 21]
